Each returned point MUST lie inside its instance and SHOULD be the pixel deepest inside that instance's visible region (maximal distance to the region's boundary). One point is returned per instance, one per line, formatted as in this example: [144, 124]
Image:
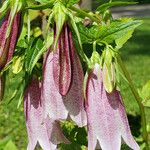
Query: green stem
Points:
[138, 100]
[82, 12]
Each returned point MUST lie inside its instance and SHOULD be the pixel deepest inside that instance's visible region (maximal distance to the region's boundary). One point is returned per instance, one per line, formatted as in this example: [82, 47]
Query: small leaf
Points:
[17, 65]
[10, 146]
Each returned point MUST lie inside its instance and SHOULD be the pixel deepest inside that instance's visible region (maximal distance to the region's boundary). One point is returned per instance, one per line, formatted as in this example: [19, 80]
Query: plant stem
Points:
[82, 12]
[138, 100]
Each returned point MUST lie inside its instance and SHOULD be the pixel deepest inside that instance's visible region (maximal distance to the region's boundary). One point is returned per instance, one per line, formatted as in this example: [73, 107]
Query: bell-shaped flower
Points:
[8, 39]
[46, 132]
[107, 120]
[63, 69]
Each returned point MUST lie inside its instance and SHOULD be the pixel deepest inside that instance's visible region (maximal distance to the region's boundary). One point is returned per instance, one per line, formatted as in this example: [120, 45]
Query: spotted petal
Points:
[59, 107]
[107, 120]
[45, 131]
[62, 62]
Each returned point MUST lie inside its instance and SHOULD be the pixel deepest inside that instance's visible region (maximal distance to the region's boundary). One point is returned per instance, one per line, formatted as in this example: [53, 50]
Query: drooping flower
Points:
[107, 120]
[45, 131]
[8, 41]
[62, 68]
[66, 65]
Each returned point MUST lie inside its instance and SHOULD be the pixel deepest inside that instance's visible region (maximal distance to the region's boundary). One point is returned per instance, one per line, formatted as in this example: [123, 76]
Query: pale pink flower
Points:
[63, 69]
[107, 120]
[46, 132]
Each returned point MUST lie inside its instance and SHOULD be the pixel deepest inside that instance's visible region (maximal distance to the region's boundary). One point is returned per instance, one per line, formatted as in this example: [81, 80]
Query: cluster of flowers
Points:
[60, 96]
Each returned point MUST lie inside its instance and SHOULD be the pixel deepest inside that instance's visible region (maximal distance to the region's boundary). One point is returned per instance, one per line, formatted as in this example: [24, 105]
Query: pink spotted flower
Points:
[62, 86]
[107, 120]
[46, 132]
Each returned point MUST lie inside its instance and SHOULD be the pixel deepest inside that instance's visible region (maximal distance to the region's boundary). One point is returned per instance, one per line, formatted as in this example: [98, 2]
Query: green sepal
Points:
[109, 76]
[59, 17]
[95, 59]
[17, 64]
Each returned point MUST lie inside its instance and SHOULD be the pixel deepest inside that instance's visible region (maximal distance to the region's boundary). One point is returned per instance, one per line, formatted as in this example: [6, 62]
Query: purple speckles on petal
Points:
[107, 120]
[39, 129]
[56, 105]
[62, 63]
[7, 45]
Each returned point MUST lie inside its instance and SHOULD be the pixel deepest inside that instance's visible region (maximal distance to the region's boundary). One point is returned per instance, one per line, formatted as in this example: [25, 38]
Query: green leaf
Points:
[33, 54]
[117, 30]
[106, 6]
[4, 8]
[42, 6]
[109, 33]
[69, 3]
[10, 146]
[77, 136]
[3, 142]
[14, 86]
[145, 94]
[43, 1]
[88, 35]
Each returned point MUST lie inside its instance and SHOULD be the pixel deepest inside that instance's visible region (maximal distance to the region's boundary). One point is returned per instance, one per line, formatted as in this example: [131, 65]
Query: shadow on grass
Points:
[135, 124]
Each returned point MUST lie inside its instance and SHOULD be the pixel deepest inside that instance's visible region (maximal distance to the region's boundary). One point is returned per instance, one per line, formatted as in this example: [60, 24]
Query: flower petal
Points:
[3, 51]
[74, 100]
[14, 35]
[107, 120]
[7, 44]
[52, 99]
[100, 115]
[62, 63]
[39, 129]
[124, 125]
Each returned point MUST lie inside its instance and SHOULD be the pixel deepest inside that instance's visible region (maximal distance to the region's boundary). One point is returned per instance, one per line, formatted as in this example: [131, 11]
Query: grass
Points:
[136, 55]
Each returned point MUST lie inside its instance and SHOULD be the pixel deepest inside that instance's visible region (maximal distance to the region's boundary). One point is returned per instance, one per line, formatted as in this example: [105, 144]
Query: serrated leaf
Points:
[88, 35]
[117, 30]
[106, 6]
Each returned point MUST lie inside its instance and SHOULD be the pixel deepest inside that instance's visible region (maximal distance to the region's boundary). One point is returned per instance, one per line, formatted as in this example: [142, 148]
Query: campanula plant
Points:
[63, 64]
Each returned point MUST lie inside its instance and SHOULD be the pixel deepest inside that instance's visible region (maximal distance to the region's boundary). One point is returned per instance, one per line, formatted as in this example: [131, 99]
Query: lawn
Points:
[136, 55]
